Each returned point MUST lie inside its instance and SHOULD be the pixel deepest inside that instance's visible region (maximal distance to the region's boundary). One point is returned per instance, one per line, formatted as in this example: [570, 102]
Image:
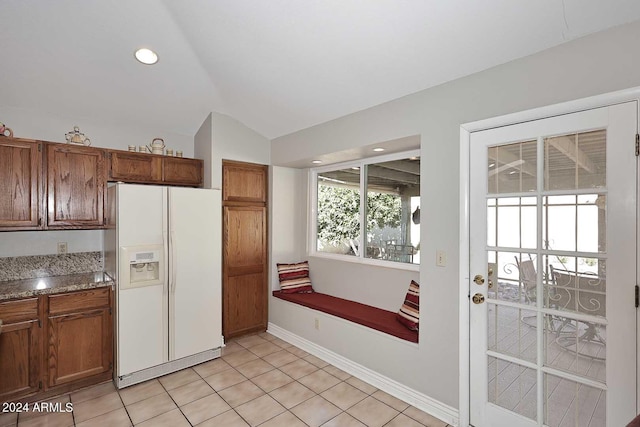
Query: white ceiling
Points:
[278, 65]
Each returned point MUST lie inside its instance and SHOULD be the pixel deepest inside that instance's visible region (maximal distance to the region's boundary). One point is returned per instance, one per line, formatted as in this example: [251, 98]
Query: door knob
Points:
[478, 279]
[478, 299]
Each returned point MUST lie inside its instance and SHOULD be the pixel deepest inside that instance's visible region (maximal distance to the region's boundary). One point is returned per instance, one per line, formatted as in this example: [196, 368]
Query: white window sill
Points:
[367, 261]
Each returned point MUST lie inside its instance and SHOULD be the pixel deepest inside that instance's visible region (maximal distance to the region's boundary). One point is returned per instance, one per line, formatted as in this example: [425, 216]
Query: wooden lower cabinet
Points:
[20, 349]
[80, 336]
[245, 281]
[73, 350]
[245, 306]
[245, 298]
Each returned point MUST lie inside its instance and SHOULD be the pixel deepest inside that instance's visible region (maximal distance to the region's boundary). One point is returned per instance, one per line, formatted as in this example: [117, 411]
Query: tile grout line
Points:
[176, 403]
[123, 405]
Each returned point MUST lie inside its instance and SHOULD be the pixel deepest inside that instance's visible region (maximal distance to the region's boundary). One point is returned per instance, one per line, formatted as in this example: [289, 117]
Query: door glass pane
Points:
[576, 284]
[573, 223]
[512, 168]
[512, 222]
[514, 277]
[575, 161]
[510, 331]
[492, 228]
[576, 347]
[568, 403]
[512, 387]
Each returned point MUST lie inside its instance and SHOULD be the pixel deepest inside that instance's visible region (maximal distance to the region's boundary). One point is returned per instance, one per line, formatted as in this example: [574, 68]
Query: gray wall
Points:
[596, 64]
[203, 146]
[223, 137]
[287, 229]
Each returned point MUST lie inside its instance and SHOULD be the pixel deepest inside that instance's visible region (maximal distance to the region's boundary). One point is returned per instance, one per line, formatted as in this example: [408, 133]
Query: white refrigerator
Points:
[163, 246]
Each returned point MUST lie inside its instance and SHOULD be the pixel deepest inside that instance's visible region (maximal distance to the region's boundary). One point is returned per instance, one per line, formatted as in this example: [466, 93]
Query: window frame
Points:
[312, 250]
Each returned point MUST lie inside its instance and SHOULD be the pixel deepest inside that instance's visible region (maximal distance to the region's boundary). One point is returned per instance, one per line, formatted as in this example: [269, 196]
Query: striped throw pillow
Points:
[409, 314]
[294, 278]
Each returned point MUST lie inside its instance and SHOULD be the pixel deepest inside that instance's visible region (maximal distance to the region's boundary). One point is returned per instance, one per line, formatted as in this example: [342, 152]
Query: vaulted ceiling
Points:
[278, 65]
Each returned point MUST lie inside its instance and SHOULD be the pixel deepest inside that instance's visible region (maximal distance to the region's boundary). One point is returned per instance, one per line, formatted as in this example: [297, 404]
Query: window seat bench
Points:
[366, 315]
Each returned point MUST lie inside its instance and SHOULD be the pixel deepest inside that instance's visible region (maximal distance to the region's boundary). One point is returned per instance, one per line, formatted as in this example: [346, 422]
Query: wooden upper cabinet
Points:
[244, 182]
[153, 169]
[20, 184]
[134, 167]
[75, 186]
[181, 171]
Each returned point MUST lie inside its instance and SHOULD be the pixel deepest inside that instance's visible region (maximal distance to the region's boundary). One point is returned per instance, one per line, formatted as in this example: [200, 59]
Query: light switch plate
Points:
[441, 258]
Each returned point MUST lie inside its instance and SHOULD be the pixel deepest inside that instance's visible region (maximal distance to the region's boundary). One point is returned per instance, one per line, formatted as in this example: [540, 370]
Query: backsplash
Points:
[31, 267]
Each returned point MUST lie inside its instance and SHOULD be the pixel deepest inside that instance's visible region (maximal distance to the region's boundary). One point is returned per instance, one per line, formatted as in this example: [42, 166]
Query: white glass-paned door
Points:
[553, 271]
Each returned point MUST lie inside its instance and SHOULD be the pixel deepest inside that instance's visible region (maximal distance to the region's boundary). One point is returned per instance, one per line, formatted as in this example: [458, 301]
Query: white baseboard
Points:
[419, 400]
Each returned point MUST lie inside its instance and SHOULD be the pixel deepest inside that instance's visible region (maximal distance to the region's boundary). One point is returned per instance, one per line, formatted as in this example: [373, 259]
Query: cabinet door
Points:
[80, 335]
[20, 349]
[20, 176]
[80, 346]
[180, 171]
[75, 182]
[245, 270]
[134, 167]
[244, 182]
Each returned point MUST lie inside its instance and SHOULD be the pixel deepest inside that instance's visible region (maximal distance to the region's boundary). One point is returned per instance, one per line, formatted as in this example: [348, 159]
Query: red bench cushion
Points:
[366, 315]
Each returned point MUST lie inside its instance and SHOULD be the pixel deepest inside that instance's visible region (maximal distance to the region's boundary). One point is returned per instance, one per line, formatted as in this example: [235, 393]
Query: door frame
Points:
[466, 129]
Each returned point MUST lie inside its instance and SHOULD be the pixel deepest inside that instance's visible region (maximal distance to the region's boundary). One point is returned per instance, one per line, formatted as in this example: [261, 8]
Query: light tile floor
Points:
[260, 380]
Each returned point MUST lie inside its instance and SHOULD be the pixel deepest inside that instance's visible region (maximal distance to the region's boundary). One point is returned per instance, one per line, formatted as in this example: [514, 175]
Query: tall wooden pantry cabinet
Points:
[245, 264]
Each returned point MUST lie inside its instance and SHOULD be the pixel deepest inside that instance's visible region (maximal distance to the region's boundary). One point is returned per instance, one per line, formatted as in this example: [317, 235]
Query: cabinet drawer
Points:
[79, 301]
[19, 310]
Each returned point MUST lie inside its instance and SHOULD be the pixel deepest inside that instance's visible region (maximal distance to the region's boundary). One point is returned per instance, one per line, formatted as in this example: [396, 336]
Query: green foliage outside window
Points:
[339, 213]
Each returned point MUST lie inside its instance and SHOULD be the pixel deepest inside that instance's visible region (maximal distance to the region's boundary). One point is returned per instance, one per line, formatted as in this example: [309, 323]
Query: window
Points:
[378, 198]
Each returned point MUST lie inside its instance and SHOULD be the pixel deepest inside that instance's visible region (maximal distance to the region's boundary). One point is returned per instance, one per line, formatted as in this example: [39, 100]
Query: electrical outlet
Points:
[62, 247]
[317, 323]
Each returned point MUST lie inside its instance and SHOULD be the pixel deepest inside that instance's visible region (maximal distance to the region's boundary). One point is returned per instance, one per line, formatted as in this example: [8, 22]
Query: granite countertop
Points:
[24, 288]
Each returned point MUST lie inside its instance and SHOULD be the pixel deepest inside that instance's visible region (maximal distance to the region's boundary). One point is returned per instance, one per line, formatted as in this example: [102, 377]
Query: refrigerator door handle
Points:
[165, 243]
[174, 268]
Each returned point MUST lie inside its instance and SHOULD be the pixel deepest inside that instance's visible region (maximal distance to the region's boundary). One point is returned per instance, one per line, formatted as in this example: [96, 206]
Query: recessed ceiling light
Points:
[355, 168]
[316, 162]
[378, 149]
[146, 56]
